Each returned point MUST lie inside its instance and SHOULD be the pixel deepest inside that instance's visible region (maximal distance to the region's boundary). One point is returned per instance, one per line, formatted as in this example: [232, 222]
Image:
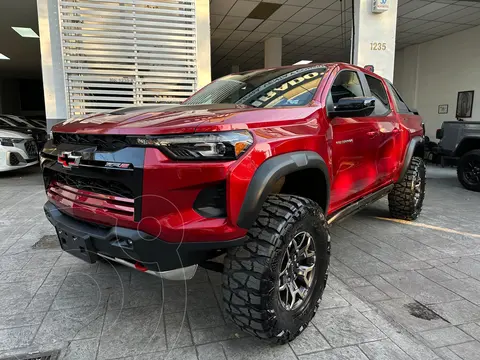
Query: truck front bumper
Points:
[134, 248]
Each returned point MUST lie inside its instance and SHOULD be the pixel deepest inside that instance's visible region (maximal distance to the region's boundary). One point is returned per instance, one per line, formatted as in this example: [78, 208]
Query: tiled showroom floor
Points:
[396, 291]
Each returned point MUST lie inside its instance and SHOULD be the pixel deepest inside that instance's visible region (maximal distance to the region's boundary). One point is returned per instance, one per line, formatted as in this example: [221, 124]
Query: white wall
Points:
[432, 73]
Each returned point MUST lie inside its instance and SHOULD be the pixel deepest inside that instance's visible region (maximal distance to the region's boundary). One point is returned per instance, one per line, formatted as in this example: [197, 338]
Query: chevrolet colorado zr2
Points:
[255, 166]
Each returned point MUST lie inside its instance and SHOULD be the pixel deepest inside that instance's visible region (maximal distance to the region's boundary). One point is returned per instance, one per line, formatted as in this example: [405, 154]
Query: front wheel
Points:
[405, 201]
[273, 283]
[468, 170]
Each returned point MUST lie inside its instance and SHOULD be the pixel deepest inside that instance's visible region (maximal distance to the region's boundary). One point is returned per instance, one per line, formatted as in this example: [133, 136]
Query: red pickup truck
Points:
[255, 166]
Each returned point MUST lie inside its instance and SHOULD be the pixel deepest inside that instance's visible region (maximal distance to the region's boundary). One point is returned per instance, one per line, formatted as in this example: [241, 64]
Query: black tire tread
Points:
[247, 277]
[401, 199]
[460, 177]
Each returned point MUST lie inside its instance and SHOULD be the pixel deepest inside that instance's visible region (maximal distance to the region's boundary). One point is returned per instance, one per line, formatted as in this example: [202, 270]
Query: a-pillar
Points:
[273, 52]
[374, 40]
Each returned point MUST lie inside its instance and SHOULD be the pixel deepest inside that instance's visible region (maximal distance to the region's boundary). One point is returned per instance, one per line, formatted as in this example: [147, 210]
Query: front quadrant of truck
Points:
[254, 167]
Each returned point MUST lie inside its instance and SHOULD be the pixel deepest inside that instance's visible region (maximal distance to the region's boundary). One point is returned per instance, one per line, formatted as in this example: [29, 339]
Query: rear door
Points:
[388, 159]
[354, 146]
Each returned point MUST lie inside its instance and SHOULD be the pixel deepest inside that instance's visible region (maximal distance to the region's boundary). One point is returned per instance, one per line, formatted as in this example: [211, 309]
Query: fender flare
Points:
[268, 173]
[475, 138]
[412, 145]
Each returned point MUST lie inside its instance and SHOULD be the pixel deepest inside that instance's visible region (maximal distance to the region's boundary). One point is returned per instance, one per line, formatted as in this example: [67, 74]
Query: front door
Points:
[354, 146]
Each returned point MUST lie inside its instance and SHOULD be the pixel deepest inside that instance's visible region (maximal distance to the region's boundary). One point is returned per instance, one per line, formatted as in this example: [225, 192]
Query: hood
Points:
[149, 119]
[170, 119]
[13, 134]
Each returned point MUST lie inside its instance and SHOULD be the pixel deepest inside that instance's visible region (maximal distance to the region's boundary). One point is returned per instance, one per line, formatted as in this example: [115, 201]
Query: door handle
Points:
[372, 134]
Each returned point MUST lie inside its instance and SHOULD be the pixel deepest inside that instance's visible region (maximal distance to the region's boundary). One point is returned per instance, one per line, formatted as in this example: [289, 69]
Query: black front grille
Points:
[101, 142]
[98, 186]
[31, 148]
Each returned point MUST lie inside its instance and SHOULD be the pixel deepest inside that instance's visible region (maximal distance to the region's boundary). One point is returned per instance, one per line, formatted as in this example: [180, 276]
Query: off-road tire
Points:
[404, 201]
[251, 271]
[469, 157]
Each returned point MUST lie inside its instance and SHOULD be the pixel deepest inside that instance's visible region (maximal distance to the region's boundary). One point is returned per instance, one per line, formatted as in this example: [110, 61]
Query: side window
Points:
[378, 91]
[402, 108]
[347, 84]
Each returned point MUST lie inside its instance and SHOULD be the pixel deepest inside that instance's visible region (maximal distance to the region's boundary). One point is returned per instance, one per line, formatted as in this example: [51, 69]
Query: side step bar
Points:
[358, 205]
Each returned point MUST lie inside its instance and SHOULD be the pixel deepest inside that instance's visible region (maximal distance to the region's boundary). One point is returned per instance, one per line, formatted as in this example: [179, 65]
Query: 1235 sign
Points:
[378, 46]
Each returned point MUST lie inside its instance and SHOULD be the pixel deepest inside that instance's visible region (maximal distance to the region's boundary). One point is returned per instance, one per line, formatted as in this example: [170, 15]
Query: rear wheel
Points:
[468, 170]
[273, 283]
[405, 201]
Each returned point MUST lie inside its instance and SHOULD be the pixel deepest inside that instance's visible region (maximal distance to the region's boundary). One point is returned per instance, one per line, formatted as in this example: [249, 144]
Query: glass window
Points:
[379, 93]
[4, 122]
[263, 88]
[15, 120]
[401, 106]
[347, 84]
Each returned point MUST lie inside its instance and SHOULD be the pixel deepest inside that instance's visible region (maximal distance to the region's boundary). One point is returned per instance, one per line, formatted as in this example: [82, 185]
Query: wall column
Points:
[273, 52]
[374, 40]
[204, 69]
[52, 62]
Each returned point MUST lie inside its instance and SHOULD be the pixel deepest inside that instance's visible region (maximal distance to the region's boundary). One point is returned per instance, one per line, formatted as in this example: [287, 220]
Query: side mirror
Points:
[439, 134]
[353, 107]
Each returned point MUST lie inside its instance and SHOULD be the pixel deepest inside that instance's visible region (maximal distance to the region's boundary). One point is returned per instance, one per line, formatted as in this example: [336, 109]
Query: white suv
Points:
[17, 150]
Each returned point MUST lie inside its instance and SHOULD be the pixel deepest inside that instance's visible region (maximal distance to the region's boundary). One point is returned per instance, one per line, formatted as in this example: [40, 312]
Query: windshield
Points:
[4, 122]
[15, 121]
[263, 88]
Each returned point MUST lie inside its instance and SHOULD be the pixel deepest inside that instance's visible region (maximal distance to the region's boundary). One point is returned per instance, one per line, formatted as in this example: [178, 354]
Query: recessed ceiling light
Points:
[3, 57]
[303, 62]
[25, 32]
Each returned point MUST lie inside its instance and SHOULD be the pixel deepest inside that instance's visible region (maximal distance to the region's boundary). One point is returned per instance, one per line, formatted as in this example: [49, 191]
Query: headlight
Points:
[9, 141]
[202, 146]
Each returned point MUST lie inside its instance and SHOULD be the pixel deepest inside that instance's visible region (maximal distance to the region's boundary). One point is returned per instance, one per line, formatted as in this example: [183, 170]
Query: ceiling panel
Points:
[286, 27]
[336, 21]
[473, 16]
[424, 10]
[323, 17]
[411, 25]
[304, 14]
[284, 12]
[230, 22]
[297, 2]
[269, 25]
[449, 9]
[215, 20]
[452, 30]
[221, 34]
[239, 35]
[321, 4]
[243, 8]
[303, 29]
[410, 6]
[324, 30]
[245, 45]
[250, 24]
[428, 28]
[221, 7]
[457, 17]
[256, 36]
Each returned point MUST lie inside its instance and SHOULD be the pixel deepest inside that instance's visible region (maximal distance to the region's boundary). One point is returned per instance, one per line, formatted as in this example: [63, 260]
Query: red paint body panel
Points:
[363, 154]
